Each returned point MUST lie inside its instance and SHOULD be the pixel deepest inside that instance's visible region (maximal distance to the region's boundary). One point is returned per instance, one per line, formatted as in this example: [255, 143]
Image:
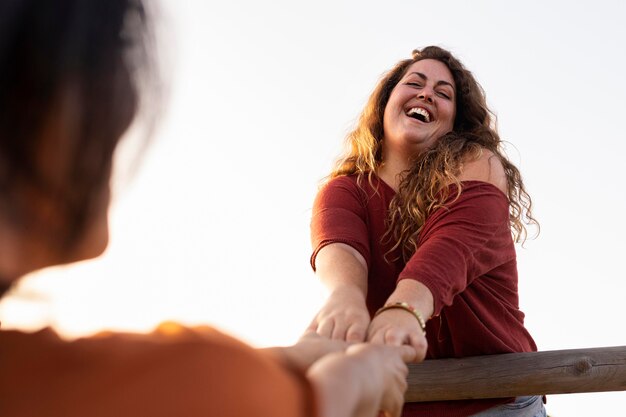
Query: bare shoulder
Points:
[486, 167]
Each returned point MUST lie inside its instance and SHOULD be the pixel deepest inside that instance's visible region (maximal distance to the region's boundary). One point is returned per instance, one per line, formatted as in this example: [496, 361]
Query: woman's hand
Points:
[397, 327]
[344, 316]
[362, 381]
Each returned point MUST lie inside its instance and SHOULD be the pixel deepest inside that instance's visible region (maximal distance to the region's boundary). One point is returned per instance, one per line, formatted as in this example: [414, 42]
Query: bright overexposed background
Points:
[213, 228]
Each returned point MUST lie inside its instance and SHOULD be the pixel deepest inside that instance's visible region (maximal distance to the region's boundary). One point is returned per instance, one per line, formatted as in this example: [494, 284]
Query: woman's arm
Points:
[343, 270]
[340, 240]
[398, 326]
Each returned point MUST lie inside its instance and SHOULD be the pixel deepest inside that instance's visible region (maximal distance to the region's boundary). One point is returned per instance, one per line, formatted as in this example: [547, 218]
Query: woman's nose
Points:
[425, 95]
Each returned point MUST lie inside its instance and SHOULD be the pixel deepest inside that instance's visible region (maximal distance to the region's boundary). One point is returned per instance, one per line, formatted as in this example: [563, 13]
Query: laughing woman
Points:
[413, 233]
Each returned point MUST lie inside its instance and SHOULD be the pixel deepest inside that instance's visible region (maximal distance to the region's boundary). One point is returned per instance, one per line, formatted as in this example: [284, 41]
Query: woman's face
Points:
[95, 236]
[420, 110]
[55, 161]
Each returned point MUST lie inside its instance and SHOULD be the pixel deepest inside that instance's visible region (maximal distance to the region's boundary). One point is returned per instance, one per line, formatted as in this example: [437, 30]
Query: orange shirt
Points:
[174, 371]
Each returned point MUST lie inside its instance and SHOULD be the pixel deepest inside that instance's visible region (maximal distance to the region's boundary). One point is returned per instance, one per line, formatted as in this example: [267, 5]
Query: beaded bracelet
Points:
[407, 307]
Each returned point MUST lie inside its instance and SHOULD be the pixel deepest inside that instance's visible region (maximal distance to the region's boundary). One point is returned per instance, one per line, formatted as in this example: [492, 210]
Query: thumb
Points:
[420, 345]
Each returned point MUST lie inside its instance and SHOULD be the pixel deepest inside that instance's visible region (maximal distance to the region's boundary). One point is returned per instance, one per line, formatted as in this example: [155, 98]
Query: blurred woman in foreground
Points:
[70, 72]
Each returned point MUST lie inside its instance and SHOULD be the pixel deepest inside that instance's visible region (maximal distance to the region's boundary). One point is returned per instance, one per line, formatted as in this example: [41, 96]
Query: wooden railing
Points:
[516, 374]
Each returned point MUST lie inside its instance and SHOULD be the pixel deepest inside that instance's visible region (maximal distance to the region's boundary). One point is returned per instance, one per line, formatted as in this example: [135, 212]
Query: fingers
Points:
[414, 345]
[313, 326]
[409, 354]
[395, 337]
[393, 404]
[388, 335]
[350, 329]
[419, 343]
[394, 329]
[376, 333]
[356, 332]
[335, 329]
[393, 398]
[385, 389]
[323, 327]
[398, 400]
[328, 328]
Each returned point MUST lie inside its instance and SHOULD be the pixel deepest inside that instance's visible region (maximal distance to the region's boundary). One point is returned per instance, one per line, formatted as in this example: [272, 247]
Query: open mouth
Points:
[420, 114]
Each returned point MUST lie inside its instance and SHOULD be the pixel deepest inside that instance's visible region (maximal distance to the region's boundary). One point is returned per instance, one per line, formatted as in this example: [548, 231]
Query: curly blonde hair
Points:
[425, 185]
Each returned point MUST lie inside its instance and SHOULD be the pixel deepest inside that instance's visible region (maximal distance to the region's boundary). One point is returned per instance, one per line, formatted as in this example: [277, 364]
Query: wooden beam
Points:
[515, 374]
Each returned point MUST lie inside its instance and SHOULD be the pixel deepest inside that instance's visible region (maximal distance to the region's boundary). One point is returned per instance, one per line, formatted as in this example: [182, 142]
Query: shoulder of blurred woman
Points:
[172, 371]
[486, 167]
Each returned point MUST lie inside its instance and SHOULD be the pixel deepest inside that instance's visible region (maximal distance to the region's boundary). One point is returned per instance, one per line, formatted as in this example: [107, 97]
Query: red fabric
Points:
[465, 256]
[175, 371]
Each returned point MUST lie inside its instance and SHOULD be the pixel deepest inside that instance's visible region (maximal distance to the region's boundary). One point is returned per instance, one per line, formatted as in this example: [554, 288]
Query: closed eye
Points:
[415, 84]
[444, 95]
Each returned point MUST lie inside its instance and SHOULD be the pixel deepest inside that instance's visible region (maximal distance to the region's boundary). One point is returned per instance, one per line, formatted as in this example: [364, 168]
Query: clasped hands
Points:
[344, 316]
[383, 345]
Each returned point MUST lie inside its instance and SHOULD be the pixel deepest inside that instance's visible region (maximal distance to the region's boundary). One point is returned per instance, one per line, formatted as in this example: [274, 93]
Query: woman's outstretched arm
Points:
[398, 326]
[343, 270]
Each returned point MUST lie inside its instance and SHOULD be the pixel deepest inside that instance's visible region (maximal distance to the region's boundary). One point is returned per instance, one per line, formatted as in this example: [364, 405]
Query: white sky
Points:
[214, 227]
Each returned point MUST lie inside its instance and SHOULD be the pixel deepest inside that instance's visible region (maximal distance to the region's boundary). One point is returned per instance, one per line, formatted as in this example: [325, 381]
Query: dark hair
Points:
[72, 64]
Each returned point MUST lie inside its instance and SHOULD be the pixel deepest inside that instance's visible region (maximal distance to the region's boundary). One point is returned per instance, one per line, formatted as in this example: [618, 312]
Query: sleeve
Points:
[175, 371]
[461, 241]
[340, 216]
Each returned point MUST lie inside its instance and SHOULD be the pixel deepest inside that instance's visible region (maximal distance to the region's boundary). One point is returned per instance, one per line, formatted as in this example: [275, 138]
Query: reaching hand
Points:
[363, 381]
[386, 377]
[397, 327]
[344, 316]
[310, 348]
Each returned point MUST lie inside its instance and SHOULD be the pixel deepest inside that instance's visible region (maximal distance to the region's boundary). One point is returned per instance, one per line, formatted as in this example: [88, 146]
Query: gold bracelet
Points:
[406, 307]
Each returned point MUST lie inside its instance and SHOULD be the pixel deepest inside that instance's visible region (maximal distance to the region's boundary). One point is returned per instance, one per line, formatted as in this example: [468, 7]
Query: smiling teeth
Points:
[422, 112]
